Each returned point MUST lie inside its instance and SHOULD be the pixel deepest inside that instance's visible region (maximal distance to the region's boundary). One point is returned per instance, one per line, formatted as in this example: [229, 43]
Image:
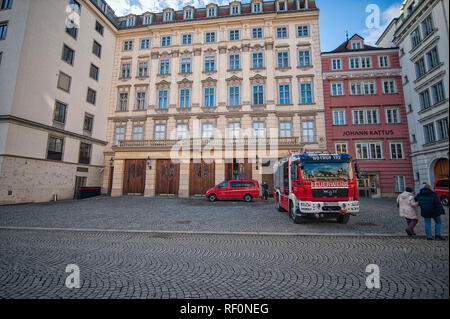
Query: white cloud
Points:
[372, 35]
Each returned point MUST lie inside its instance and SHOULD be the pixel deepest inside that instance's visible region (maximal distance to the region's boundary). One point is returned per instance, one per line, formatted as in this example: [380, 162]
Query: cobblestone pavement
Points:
[161, 265]
[377, 216]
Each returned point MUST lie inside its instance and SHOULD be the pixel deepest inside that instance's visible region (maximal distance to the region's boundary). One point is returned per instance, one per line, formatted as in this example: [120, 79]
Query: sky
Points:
[337, 17]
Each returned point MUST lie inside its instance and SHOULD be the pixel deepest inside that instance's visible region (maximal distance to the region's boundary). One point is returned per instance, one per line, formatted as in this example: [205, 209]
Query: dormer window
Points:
[302, 4]
[211, 12]
[168, 16]
[147, 20]
[356, 45]
[130, 21]
[188, 14]
[256, 7]
[281, 5]
[234, 9]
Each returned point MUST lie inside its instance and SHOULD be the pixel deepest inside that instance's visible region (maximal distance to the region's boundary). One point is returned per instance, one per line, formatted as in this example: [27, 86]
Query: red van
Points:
[441, 189]
[234, 189]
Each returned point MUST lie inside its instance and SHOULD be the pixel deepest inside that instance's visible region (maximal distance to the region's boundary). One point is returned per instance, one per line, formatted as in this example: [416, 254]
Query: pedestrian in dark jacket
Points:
[266, 190]
[430, 208]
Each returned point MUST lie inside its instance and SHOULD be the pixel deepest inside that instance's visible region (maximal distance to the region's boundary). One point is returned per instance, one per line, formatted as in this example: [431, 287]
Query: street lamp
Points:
[149, 163]
[111, 162]
[257, 160]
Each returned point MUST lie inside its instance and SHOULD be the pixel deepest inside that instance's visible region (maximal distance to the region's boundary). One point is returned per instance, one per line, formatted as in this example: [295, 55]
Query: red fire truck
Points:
[318, 185]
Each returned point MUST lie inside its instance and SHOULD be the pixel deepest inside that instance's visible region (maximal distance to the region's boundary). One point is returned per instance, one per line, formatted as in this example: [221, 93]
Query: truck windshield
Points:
[327, 171]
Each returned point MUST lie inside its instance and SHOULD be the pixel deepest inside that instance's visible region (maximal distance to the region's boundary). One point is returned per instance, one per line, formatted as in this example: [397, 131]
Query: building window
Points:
[281, 5]
[284, 94]
[93, 72]
[369, 150]
[168, 16]
[234, 130]
[438, 92]
[99, 28]
[259, 129]
[308, 132]
[392, 116]
[145, 44]
[160, 132]
[383, 61]
[55, 148]
[258, 95]
[119, 134]
[413, 138]
[257, 33]
[433, 58]
[337, 89]
[68, 54]
[97, 49]
[234, 35]
[91, 96]
[209, 97]
[123, 102]
[187, 38]
[85, 153]
[306, 95]
[210, 37]
[125, 70]
[356, 45]
[396, 150]
[302, 31]
[234, 10]
[341, 148]
[282, 32]
[425, 100]
[127, 45]
[415, 38]
[211, 12]
[185, 101]
[427, 26]
[188, 14]
[147, 20]
[182, 131]
[389, 87]
[143, 69]
[339, 117]
[283, 59]
[162, 99]
[303, 58]
[234, 98]
[164, 67]
[210, 63]
[71, 29]
[399, 184]
[138, 133]
[256, 7]
[130, 22]
[59, 114]
[140, 101]
[88, 123]
[429, 133]
[361, 117]
[64, 82]
[420, 67]
[235, 62]
[166, 40]
[185, 65]
[5, 4]
[442, 129]
[285, 129]
[363, 88]
[354, 63]
[257, 60]
[336, 64]
[207, 130]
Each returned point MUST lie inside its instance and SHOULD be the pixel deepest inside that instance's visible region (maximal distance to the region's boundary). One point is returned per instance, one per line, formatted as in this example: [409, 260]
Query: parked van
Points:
[441, 189]
[234, 189]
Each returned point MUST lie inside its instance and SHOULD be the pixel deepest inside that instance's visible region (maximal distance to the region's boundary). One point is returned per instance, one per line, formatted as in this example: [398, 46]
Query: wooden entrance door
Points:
[201, 177]
[134, 177]
[167, 177]
[441, 168]
[238, 170]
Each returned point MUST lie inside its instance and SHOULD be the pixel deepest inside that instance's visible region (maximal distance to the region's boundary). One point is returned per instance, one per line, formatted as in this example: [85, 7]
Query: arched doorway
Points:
[441, 168]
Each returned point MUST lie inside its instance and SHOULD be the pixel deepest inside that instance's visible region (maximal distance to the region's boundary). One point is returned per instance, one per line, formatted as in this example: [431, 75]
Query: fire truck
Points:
[317, 185]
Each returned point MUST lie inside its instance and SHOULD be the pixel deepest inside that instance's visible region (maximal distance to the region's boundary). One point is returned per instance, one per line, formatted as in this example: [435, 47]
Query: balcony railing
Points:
[281, 142]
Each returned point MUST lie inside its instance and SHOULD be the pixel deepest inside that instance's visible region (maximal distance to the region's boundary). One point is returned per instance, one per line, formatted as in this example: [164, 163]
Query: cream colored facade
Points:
[31, 63]
[272, 112]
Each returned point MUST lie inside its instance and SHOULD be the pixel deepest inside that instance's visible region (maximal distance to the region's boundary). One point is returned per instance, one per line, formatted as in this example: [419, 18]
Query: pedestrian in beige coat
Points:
[408, 209]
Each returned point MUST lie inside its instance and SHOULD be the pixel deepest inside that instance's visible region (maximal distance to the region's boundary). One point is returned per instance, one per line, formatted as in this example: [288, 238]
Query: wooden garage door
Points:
[167, 177]
[441, 168]
[134, 177]
[201, 177]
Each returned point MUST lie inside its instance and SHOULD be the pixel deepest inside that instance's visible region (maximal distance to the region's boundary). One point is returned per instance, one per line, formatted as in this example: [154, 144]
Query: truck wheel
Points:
[280, 209]
[343, 219]
[444, 200]
[296, 219]
[247, 198]
[212, 198]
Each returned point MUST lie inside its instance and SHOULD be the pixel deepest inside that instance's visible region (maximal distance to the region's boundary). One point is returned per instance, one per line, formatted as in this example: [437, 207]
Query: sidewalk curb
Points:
[180, 232]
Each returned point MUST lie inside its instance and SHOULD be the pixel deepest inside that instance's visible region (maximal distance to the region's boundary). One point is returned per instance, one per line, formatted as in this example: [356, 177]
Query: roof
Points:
[344, 47]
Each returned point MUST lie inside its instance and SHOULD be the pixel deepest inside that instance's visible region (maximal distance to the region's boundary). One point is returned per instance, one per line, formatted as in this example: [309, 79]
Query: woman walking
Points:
[408, 209]
[431, 207]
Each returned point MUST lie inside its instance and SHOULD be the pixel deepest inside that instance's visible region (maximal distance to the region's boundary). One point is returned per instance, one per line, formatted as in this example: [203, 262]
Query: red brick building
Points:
[365, 114]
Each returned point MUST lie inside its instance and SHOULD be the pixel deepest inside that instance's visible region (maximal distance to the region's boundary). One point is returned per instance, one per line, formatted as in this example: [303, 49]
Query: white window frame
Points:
[396, 150]
[397, 110]
[394, 86]
[369, 150]
[384, 61]
[334, 65]
[339, 88]
[343, 117]
[340, 144]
